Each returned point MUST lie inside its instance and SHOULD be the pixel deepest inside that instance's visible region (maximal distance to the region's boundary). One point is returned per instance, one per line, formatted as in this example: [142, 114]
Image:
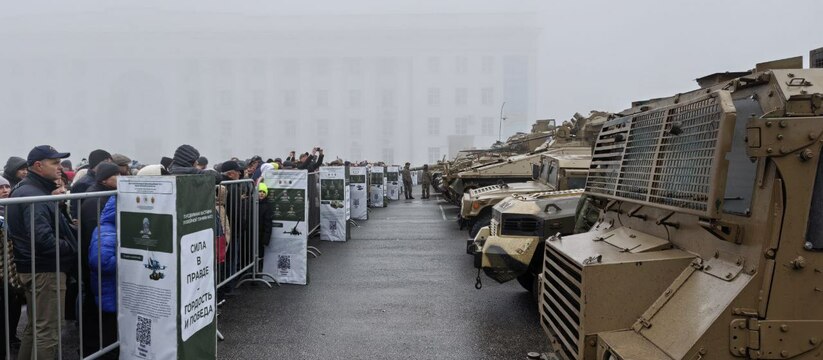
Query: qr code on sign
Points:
[284, 262]
[143, 330]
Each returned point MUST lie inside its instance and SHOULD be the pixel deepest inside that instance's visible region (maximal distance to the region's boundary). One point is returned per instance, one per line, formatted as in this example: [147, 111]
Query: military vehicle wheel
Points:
[482, 220]
[527, 281]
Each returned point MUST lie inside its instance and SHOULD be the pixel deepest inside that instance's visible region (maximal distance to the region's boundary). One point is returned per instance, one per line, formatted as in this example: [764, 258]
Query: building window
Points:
[434, 126]
[353, 66]
[461, 126]
[434, 97]
[388, 127]
[290, 98]
[322, 127]
[487, 65]
[355, 98]
[355, 127]
[434, 65]
[290, 128]
[461, 65]
[387, 98]
[226, 99]
[487, 96]
[487, 126]
[388, 155]
[356, 152]
[258, 101]
[434, 155]
[322, 99]
[461, 96]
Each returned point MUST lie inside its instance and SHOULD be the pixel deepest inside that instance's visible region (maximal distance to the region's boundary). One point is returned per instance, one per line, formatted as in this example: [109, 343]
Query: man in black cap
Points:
[105, 180]
[231, 170]
[183, 163]
[201, 163]
[15, 170]
[96, 157]
[38, 266]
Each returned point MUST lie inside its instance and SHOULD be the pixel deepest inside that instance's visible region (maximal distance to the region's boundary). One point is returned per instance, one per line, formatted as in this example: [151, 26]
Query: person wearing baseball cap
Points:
[36, 252]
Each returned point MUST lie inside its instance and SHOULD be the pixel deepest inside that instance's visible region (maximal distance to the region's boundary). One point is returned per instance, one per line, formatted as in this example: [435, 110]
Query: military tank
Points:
[709, 239]
[565, 163]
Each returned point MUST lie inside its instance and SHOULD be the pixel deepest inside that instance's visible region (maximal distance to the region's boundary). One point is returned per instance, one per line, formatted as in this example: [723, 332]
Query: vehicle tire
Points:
[482, 220]
[527, 281]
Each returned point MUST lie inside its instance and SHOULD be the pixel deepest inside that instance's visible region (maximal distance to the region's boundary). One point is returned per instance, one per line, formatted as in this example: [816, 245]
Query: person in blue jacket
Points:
[104, 245]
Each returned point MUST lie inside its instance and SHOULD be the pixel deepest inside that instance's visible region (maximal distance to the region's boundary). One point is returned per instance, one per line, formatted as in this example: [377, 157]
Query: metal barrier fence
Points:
[92, 332]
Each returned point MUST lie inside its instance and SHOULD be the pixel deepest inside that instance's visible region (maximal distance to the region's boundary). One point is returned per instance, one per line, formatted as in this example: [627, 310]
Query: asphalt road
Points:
[402, 287]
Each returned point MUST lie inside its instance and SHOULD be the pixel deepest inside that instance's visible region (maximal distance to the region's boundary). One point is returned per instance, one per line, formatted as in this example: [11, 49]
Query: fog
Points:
[378, 80]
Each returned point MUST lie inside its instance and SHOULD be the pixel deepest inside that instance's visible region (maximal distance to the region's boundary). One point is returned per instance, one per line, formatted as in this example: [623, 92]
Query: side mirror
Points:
[535, 171]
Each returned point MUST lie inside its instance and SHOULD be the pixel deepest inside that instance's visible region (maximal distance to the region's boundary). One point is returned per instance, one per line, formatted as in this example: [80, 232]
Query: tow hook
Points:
[478, 284]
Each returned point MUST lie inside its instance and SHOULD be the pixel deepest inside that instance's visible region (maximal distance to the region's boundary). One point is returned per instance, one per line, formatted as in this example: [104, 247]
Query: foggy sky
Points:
[592, 55]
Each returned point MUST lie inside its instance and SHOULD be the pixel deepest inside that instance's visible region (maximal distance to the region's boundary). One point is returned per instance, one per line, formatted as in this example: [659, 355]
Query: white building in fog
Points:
[400, 87]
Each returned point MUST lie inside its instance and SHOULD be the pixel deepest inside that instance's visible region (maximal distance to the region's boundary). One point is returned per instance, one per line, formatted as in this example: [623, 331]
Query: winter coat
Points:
[80, 186]
[223, 237]
[266, 215]
[406, 175]
[90, 209]
[311, 163]
[104, 244]
[19, 218]
[13, 164]
[190, 170]
[427, 178]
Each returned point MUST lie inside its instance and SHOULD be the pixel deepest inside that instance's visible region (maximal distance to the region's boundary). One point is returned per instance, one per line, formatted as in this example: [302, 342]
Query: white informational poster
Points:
[359, 193]
[376, 187]
[394, 182]
[290, 212]
[415, 177]
[166, 288]
[333, 200]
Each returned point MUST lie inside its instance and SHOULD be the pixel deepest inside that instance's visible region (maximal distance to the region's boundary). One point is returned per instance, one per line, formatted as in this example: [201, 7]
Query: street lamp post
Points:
[500, 127]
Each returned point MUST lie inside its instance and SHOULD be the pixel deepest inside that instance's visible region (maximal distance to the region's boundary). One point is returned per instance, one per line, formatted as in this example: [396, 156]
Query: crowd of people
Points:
[93, 238]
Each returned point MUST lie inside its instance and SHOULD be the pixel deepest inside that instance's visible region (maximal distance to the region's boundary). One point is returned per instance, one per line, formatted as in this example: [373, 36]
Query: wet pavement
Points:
[402, 287]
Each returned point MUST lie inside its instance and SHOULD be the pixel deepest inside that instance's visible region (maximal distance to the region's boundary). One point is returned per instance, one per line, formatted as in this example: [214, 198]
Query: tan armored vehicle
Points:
[558, 169]
[709, 242]
[564, 165]
[511, 247]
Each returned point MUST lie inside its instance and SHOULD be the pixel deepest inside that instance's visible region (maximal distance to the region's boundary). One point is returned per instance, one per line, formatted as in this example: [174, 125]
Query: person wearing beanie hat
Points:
[183, 163]
[201, 163]
[231, 170]
[265, 217]
[15, 170]
[83, 184]
[123, 162]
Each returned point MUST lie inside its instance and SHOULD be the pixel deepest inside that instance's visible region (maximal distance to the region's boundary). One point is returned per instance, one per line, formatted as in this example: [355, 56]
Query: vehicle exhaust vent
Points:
[560, 306]
[670, 157]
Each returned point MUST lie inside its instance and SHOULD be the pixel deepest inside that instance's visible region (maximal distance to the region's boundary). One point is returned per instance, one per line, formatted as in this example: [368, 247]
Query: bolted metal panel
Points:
[666, 158]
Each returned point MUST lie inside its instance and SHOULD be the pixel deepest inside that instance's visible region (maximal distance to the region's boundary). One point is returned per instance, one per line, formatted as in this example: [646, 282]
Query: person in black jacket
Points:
[83, 184]
[265, 217]
[37, 265]
[105, 180]
[183, 163]
[311, 162]
[15, 170]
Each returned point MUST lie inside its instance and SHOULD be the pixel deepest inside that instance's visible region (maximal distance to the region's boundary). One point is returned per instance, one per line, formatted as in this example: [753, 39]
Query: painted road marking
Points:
[443, 212]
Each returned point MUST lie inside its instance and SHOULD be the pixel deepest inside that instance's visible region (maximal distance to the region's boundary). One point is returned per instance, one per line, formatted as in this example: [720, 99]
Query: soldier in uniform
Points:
[426, 181]
[407, 182]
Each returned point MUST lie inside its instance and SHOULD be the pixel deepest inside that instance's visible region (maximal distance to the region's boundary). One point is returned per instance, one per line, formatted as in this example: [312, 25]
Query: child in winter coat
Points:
[104, 245]
[265, 214]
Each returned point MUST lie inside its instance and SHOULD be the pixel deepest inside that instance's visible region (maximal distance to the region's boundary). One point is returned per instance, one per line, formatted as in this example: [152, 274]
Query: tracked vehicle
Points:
[564, 164]
[708, 244]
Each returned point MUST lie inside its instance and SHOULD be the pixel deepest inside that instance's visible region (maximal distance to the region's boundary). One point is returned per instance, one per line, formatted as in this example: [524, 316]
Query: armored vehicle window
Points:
[552, 178]
[814, 230]
[741, 174]
[577, 182]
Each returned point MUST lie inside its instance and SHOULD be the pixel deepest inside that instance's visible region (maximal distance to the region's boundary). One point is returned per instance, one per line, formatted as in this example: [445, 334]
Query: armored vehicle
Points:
[709, 243]
[565, 163]
[558, 169]
[579, 132]
[511, 247]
